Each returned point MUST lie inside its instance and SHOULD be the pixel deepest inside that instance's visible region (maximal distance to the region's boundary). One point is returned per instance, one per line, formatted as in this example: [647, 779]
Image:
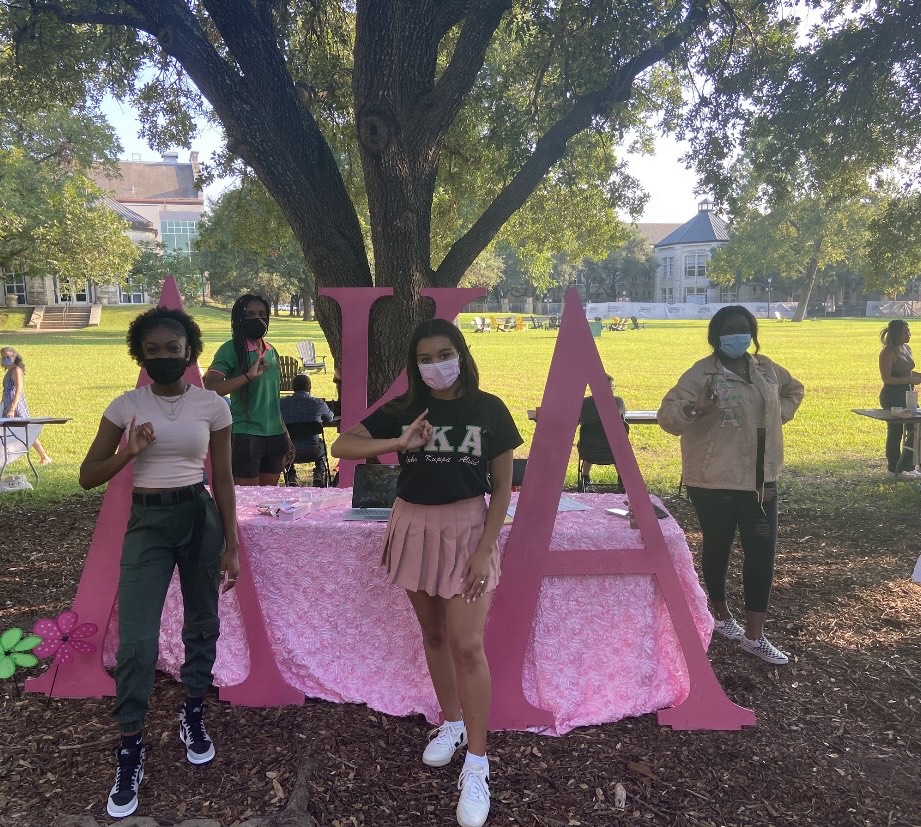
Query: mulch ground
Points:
[838, 740]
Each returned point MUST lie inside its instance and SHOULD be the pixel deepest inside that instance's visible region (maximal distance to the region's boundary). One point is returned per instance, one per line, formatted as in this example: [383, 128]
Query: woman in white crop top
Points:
[171, 426]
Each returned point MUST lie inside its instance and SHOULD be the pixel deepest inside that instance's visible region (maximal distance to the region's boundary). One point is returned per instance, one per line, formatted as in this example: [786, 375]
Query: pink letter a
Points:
[528, 558]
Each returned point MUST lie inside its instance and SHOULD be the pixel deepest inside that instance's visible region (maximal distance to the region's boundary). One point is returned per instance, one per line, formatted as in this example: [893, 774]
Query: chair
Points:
[536, 323]
[308, 353]
[288, 367]
[553, 323]
[779, 316]
[319, 456]
[480, 325]
[593, 445]
[635, 325]
[518, 468]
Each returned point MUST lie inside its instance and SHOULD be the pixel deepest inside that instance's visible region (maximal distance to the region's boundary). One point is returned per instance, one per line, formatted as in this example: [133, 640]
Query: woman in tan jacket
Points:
[728, 409]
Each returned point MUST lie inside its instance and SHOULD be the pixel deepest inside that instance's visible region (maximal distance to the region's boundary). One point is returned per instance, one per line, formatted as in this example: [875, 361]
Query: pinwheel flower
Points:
[62, 637]
[14, 651]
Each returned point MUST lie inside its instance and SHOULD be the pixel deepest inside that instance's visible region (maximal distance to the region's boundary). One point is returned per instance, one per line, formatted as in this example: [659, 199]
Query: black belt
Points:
[177, 495]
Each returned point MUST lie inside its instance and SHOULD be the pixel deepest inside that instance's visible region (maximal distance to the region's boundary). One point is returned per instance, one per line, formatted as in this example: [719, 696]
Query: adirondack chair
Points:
[480, 325]
[635, 323]
[308, 353]
[288, 368]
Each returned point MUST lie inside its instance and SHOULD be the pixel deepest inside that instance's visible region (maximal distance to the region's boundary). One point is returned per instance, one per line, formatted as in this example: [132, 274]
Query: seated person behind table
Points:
[302, 407]
[587, 443]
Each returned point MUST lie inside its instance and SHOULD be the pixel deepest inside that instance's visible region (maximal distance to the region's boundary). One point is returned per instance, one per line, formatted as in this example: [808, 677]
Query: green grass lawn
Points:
[832, 455]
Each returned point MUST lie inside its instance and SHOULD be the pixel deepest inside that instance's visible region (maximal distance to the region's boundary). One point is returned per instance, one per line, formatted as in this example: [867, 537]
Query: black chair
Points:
[518, 468]
[318, 455]
[593, 446]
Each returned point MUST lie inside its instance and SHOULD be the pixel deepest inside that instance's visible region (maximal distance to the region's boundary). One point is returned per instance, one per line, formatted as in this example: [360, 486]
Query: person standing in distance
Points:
[246, 368]
[14, 394]
[897, 370]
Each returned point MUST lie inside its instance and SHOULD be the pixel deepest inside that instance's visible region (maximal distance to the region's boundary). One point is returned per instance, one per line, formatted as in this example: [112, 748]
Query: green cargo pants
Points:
[158, 538]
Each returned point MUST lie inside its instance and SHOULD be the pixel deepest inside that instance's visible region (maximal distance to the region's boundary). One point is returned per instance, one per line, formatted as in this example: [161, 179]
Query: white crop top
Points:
[176, 457]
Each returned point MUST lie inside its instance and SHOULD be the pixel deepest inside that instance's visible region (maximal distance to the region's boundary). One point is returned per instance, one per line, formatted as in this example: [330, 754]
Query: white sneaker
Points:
[729, 627]
[903, 476]
[443, 743]
[764, 649]
[473, 806]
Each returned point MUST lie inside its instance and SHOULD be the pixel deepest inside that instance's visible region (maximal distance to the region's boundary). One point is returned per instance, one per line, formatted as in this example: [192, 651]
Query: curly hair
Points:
[175, 320]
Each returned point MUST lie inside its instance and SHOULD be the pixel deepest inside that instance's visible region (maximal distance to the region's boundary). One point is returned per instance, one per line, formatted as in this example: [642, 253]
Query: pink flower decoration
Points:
[62, 637]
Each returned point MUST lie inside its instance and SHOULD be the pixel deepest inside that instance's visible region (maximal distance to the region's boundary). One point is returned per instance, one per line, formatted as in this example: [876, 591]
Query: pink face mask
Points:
[439, 376]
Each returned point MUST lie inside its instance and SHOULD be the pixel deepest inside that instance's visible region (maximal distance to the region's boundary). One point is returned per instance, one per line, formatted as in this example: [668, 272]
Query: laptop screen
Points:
[375, 486]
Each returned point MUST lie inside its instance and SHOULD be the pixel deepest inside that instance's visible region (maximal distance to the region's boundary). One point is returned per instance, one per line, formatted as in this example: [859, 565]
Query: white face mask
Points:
[439, 376]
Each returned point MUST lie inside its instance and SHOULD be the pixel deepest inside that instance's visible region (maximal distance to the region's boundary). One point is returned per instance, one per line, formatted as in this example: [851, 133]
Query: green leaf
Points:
[10, 638]
[27, 643]
[7, 668]
[23, 660]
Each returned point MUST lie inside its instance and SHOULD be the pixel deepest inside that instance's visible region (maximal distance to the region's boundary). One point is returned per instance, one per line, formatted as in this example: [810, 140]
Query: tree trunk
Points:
[808, 283]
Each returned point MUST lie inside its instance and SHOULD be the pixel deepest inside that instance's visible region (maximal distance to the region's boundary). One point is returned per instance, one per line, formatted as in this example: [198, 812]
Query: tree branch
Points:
[450, 13]
[449, 93]
[94, 17]
[551, 147]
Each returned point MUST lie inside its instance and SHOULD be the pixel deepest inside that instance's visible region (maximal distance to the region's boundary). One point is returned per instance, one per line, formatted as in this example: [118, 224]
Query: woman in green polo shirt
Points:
[246, 368]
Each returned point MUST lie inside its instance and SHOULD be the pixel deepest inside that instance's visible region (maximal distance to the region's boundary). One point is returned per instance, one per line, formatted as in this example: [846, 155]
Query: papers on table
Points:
[566, 504]
[296, 504]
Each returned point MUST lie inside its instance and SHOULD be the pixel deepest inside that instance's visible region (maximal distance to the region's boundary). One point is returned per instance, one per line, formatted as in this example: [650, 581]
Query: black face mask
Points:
[255, 329]
[165, 371]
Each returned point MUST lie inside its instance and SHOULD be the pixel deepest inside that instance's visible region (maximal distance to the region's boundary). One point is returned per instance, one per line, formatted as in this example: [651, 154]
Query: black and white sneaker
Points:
[199, 749]
[123, 799]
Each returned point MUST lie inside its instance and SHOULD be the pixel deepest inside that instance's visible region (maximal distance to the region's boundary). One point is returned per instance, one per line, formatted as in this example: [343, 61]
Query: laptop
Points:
[373, 493]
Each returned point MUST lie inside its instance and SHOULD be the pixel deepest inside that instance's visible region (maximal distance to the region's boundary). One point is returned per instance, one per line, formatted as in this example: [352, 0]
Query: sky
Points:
[669, 184]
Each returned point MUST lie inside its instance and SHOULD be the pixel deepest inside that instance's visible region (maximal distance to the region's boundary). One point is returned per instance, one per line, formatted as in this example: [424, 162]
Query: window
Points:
[668, 295]
[695, 295]
[695, 266]
[130, 294]
[667, 266]
[178, 235]
[15, 283]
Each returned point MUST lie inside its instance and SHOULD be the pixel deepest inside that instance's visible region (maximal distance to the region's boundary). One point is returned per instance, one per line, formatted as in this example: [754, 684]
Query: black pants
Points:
[313, 454]
[899, 435]
[722, 512]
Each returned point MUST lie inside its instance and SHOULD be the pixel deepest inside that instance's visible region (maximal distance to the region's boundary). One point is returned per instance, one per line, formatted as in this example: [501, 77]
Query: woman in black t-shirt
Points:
[455, 444]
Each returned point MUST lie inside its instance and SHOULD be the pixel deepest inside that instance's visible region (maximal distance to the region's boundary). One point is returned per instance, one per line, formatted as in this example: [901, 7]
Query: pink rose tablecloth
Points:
[602, 648]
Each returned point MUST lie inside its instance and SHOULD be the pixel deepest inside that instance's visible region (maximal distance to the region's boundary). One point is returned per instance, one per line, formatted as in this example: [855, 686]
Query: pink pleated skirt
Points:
[427, 546]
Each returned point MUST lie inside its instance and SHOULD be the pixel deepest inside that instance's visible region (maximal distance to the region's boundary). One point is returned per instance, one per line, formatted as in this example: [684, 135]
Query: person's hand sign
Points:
[139, 436]
[417, 434]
